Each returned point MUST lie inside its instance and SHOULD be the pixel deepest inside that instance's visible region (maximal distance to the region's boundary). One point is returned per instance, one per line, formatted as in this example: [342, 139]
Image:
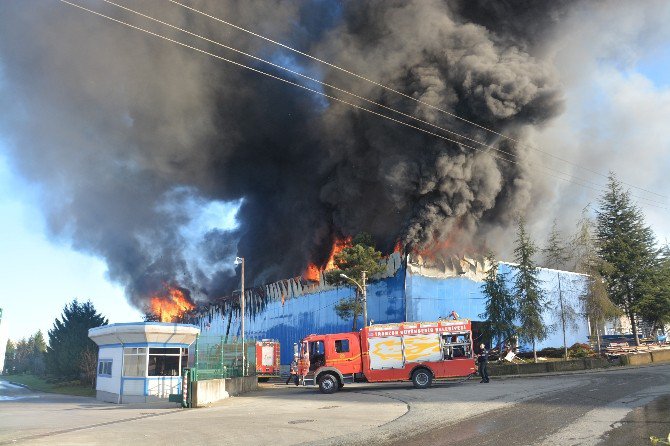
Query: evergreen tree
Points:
[556, 252]
[499, 308]
[38, 349]
[595, 302]
[557, 256]
[22, 356]
[352, 261]
[527, 291]
[68, 339]
[654, 307]
[627, 246]
[10, 355]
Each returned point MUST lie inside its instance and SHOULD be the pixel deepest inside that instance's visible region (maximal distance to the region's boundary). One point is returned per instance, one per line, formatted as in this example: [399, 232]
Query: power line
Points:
[459, 143]
[351, 73]
[581, 180]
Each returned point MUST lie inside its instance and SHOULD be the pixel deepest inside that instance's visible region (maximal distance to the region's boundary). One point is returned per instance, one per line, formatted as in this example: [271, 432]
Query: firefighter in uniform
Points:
[294, 373]
[483, 361]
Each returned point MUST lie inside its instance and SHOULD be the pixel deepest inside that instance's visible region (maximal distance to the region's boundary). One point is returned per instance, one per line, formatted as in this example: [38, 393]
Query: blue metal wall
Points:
[404, 296]
[429, 298]
[313, 313]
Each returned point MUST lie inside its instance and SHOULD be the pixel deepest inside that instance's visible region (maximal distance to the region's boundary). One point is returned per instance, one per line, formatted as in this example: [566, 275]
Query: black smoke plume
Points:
[129, 136]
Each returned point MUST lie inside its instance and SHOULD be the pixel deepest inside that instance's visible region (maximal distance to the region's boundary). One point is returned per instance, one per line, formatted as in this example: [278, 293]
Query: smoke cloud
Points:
[131, 137]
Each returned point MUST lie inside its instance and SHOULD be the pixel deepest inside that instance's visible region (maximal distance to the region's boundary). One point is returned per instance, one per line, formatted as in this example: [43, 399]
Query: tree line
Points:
[626, 272]
[69, 354]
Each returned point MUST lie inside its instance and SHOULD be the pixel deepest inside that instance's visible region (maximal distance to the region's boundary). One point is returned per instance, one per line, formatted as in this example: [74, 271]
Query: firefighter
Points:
[294, 373]
[483, 361]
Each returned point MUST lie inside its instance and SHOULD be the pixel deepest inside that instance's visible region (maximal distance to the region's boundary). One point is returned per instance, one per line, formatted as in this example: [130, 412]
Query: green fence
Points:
[215, 358]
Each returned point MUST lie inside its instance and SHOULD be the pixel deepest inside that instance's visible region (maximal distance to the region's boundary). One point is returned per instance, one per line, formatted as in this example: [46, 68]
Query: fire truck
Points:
[416, 351]
[267, 359]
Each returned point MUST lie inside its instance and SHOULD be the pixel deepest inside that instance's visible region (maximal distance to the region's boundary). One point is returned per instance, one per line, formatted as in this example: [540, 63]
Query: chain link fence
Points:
[215, 357]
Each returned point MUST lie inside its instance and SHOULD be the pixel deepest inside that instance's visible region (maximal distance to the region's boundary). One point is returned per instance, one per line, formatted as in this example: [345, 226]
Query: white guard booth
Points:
[141, 362]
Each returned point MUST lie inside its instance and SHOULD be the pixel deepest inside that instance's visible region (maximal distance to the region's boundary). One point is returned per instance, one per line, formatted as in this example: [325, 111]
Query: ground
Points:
[613, 407]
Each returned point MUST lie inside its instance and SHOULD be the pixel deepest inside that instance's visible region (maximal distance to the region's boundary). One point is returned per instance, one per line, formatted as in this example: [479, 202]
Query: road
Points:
[612, 407]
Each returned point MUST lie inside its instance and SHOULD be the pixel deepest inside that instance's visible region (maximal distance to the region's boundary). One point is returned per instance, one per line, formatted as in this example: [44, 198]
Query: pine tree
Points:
[655, 305]
[352, 261]
[557, 256]
[627, 246]
[595, 302]
[38, 350]
[527, 290]
[68, 338]
[10, 358]
[500, 309]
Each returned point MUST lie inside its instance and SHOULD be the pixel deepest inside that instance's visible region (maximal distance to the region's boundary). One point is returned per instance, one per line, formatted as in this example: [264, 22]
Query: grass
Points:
[66, 388]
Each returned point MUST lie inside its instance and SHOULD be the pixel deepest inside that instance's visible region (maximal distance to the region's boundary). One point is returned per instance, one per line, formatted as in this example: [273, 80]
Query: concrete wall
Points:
[646, 358]
[547, 367]
[108, 397]
[212, 390]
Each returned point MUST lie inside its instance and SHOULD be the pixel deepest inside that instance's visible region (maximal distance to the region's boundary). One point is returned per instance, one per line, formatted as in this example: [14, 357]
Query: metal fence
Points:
[215, 358]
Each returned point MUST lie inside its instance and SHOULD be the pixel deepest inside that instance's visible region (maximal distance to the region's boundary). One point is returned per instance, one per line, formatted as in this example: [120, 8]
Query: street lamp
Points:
[240, 261]
[363, 294]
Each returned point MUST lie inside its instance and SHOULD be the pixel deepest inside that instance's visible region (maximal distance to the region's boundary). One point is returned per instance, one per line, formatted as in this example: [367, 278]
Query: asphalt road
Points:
[621, 406]
[587, 414]
[612, 407]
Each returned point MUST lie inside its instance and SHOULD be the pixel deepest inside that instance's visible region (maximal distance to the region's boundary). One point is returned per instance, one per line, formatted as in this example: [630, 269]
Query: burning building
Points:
[408, 290]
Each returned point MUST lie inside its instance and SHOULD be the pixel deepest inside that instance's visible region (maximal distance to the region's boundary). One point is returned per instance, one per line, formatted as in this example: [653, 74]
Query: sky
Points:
[616, 81]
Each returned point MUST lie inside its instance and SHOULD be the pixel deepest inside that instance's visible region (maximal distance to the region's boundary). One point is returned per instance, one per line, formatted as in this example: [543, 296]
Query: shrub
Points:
[580, 351]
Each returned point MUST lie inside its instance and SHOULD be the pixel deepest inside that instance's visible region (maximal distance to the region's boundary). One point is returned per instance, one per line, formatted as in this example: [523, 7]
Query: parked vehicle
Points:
[416, 351]
[267, 359]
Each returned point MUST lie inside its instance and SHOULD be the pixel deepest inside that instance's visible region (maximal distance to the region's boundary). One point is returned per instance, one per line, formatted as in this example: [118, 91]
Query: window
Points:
[134, 361]
[342, 346]
[105, 367]
[166, 361]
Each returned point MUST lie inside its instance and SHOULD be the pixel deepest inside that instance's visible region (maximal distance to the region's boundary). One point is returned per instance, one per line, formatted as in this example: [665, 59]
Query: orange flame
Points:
[397, 247]
[313, 271]
[170, 305]
[338, 247]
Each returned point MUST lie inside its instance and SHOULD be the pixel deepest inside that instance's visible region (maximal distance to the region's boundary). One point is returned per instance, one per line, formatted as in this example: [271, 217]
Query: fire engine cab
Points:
[416, 351]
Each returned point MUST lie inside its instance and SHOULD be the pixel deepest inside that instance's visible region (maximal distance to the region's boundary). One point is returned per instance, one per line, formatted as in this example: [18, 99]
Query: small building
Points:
[141, 362]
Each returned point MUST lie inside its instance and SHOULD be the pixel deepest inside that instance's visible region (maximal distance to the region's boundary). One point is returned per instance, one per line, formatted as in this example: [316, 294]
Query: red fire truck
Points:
[416, 351]
[267, 359]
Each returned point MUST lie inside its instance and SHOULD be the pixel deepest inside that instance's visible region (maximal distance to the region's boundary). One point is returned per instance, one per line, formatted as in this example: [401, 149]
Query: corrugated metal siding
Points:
[312, 313]
[311, 310]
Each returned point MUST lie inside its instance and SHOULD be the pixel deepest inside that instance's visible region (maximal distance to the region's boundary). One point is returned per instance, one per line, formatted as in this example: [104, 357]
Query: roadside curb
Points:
[581, 372]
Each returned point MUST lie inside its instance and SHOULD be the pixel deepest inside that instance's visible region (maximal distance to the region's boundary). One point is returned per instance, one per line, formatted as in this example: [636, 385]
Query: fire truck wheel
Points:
[422, 378]
[328, 383]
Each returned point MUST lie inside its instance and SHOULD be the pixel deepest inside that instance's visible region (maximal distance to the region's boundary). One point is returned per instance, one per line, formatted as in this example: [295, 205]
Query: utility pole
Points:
[240, 261]
[365, 302]
[560, 299]
[364, 295]
[244, 347]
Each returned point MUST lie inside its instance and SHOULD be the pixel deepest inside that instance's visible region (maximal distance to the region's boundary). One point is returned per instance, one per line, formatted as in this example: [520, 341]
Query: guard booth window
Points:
[342, 346]
[134, 361]
[164, 361]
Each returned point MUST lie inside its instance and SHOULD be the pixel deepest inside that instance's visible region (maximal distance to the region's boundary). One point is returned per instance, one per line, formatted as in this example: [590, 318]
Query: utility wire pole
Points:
[240, 261]
[364, 295]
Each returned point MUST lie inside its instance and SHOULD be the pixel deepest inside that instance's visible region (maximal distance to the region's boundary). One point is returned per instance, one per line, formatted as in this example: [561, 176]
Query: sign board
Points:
[418, 329]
